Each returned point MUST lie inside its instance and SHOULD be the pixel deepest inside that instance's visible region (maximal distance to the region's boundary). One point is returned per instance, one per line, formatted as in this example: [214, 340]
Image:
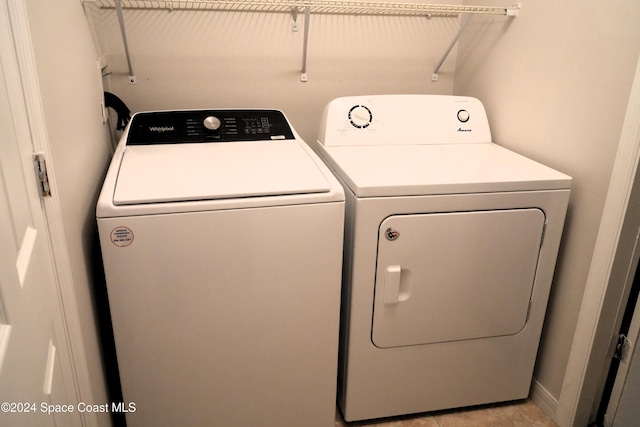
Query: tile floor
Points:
[523, 413]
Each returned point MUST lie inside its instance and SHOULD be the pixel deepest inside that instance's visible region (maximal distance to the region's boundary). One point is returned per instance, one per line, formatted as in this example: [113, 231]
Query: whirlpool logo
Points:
[161, 129]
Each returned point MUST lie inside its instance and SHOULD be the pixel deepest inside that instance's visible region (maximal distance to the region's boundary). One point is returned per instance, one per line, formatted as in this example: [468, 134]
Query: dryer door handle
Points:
[395, 290]
[392, 284]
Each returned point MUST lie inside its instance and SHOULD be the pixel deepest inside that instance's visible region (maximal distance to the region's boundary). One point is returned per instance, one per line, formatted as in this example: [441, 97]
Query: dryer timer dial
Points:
[360, 116]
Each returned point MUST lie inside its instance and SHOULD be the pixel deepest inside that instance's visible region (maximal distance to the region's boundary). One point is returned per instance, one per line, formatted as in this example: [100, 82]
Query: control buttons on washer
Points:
[212, 123]
[360, 116]
[463, 116]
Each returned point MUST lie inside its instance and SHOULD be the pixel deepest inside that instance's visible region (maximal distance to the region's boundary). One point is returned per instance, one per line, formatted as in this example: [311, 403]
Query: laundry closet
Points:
[555, 81]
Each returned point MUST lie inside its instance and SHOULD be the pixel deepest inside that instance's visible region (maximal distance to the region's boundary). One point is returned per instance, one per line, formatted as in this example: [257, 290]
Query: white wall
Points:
[69, 83]
[208, 59]
[555, 82]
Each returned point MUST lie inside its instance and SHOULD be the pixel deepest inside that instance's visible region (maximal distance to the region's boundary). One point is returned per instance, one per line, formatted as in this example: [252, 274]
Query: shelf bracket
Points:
[132, 76]
[463, 24]
[305, 43]
[508, 11]
[294, 19]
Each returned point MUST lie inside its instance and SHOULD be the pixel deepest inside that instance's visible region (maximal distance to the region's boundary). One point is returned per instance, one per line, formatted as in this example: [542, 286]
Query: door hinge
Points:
[42, 176]
[622, 348]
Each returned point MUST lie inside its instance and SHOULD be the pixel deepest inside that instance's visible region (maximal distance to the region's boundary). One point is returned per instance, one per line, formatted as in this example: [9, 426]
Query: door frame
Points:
[610, 275]
[54, 228]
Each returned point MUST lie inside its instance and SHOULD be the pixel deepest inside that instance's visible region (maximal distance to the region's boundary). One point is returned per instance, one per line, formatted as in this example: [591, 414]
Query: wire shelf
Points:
[339, 7]
[316, 6]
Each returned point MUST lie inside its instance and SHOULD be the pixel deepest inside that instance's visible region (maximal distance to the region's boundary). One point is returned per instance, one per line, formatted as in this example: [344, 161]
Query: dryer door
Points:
[454, 276]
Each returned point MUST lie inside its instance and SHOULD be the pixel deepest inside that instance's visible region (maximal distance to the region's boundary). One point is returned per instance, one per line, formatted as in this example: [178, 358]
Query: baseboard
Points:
[545, 400]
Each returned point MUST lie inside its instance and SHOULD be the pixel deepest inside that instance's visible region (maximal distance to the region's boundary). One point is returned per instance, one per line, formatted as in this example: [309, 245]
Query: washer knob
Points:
[212, 123]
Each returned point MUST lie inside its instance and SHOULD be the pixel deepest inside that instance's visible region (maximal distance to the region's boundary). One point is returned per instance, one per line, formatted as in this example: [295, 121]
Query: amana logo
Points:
[464, 130]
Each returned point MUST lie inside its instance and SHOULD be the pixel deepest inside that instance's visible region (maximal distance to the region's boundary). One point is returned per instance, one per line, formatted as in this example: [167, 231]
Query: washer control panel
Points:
[195, 126]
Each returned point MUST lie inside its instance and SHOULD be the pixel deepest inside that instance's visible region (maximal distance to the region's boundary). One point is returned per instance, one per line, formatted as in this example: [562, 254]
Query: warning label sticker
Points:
[121, 236]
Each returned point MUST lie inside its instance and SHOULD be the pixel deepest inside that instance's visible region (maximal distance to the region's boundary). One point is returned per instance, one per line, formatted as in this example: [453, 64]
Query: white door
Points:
[34, 361]
[625, 411]
[622, 409]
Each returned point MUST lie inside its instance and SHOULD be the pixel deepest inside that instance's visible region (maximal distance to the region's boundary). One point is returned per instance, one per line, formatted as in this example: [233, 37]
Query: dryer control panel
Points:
[404, 120]
[196, 126]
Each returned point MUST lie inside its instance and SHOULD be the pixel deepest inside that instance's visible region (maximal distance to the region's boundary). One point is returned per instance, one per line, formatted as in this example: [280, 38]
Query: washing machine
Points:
[450, 247]
[221, 234]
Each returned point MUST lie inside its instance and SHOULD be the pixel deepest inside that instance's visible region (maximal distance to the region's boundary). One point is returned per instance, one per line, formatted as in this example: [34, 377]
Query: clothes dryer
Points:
[221, 234]
[450, 247]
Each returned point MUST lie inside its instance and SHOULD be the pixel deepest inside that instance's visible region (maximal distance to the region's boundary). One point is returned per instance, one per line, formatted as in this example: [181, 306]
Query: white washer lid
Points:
[408, 170]
[207, 171]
